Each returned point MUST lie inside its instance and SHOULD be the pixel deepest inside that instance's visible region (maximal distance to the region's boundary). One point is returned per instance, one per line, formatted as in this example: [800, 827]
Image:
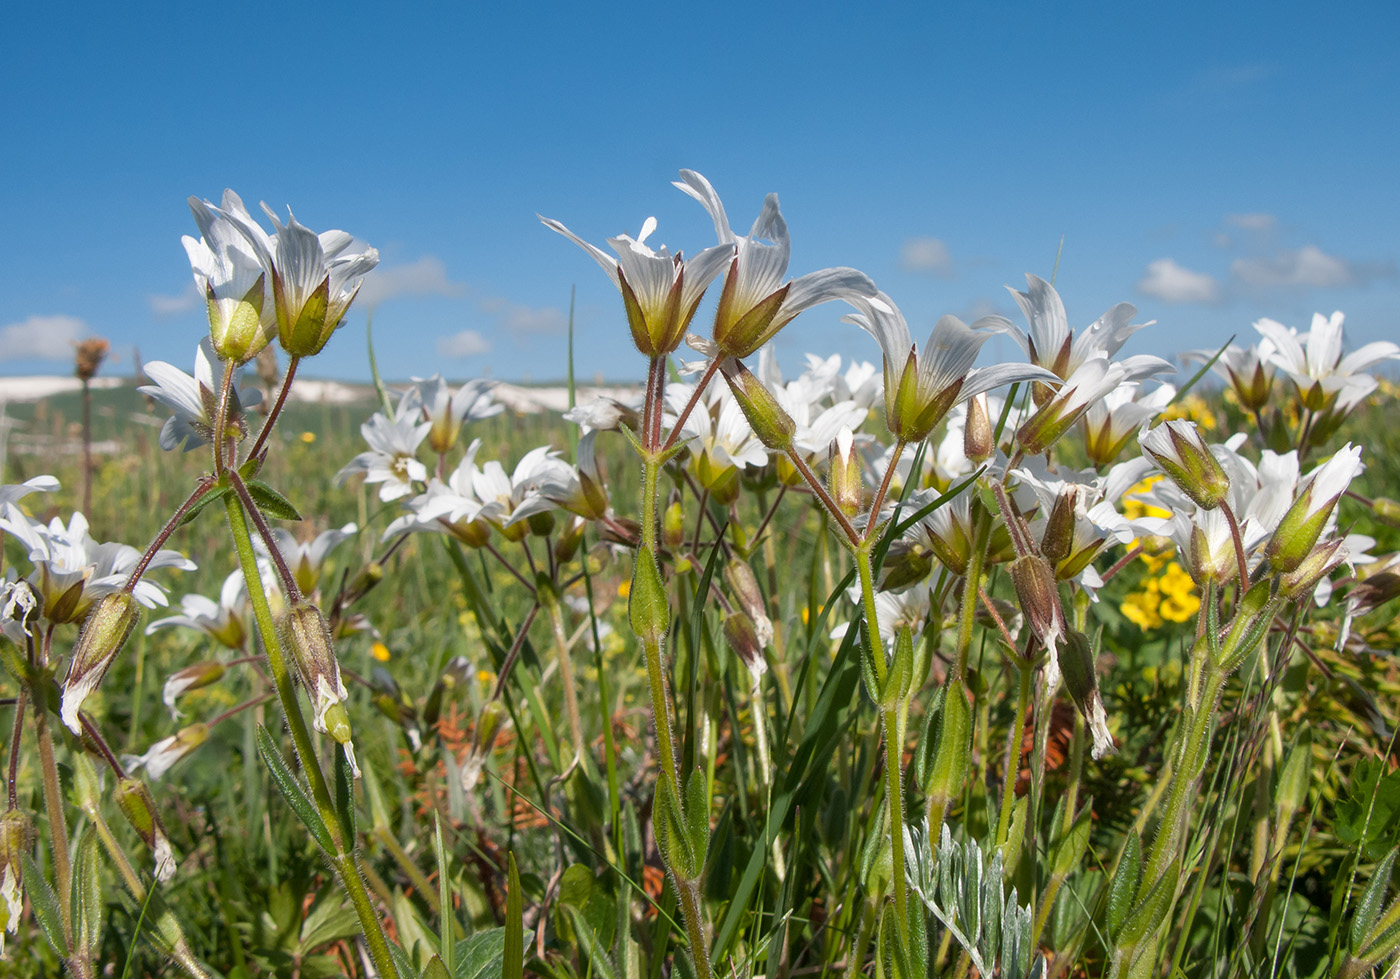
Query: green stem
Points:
[566, 676]
[343, 860]
[972, 584]
[58, 826]
[1013, 755]
[894, 742]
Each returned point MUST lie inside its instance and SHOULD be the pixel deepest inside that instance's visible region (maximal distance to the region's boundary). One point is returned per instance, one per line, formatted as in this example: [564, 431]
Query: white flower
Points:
[450, 507]
[195, 400]
[167, 751]
[224, 621]
[1319, 368]
[1111, 422]
[1050, 343]
[1090, 382]
[659, 290]
[314, 279]
[304, 558]
[71, 570]
[921, 388]
[755, 304]
[447, 411]
[231, 278]
[521, 494]
[392, 459]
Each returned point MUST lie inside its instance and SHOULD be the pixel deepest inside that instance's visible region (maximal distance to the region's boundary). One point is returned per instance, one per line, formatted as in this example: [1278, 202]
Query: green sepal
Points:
[271, 502]
[1253, 616]
[673, 832]
[296, 798]
[1124, 885]
[696, 816]
[45, 904]
[1015, 833]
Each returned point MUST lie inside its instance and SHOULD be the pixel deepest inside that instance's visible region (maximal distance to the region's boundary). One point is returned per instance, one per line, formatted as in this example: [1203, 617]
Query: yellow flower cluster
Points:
[1169, 596]
[1168, 593]
[1194, 408]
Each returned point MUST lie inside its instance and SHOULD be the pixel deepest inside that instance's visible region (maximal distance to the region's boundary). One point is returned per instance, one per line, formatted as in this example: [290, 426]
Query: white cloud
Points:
[425, 277]
[1173, 283]
[41, 338]
[529, 319]
[927, 255]
[1308, 266]
[468, 343]
[164, 306]
[1256, 221]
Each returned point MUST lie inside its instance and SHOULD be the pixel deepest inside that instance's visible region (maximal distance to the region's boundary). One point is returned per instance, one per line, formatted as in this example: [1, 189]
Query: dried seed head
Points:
[104, 632]
[88, 356]
[978, 439]
[1076, 659]
[1039, 597]
[1058, 539]
[742, 637]
[843, 474]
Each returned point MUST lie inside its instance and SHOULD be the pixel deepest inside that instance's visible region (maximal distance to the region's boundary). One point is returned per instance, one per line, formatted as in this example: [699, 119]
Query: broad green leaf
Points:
[1368, 909]
[45, 903]
[271, 502]
[87, 901]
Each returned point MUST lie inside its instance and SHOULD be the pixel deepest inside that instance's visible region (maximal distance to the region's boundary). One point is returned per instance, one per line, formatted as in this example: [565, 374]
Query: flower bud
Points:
[167, 751]
[1252, 389]
[1370, 594]
[488, 725]
[1058, 539]
[1321, 561]
[136, 804]
[1386, 510]
[673, 525]
[978, 438]
[1176, 448]
[541, 524]
[190, 678]
[741, 636]
[566, 545]
[843, 475]
[304, 633]
[1076, 659]
[772, 425]
[104, 632]
[1039, 597]
[1302, 525]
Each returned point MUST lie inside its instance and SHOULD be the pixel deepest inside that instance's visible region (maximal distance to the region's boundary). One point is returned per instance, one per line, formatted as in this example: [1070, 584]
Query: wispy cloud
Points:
[1254, 221]
[425, 277]
[929, 256]
[41, 338]
[1307, 267]
[163, 307]
[1164, 279]
[467, 343]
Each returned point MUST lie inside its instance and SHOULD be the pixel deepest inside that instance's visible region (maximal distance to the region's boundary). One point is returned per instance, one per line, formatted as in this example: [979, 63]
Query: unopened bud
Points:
[139, 808]
[978, 438]
[1076, 659]
[673, 525]
[1302, 525]
[541, 524]
[1058, 539]
[104, 633]
[1254, 389]
[1386, 510]
[743, 585]
[1039, 597]
[566, 545]
[1321, 561]
[370, 575]
[190, 678]
[1370, 594]
[771, 424]
[843, 474]
[488, 725]
[741, 636]
[1176, 448]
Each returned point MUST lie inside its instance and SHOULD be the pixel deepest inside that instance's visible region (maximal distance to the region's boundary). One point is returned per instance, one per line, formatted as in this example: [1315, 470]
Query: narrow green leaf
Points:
[1182, 391]
[696, 815]
[599, 960]
[1368, 909]
[445, 929]
[292, 791]
[1123, 888]
[379, 388]
[213, 496]
[1144, 919]
[271, 502]
[45, 903]
[344, 794]
[87, 893]
[513, 954]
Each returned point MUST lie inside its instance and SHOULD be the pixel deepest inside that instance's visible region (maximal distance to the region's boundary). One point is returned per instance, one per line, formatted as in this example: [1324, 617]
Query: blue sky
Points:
[1211, 163]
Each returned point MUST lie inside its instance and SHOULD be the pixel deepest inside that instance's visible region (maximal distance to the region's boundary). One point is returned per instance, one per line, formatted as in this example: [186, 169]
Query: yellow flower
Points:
[1179, 602]
[1140, 607]
[1133, 508]
[380, 652]
[624, 588]
[308, 437]
[485, 677]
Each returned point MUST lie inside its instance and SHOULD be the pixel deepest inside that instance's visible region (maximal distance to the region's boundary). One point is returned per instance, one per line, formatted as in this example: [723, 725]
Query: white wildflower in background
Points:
[1050, 343]
[231, 279]
[392, 459]
[304, 558]
[447, 410]
[224, 621]
[1316, 364]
